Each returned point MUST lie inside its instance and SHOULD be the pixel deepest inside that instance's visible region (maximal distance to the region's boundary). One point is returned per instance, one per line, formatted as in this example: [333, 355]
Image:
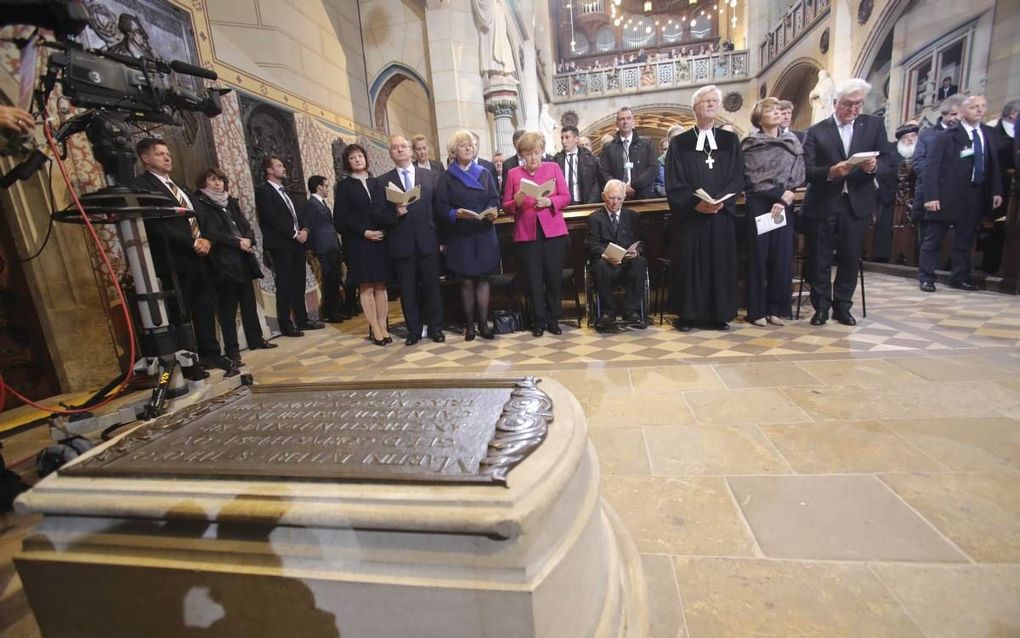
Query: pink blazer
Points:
[526, 216]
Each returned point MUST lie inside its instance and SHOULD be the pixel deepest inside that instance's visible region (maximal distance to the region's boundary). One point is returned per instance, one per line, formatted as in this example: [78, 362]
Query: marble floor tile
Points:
[620, 450]
[620, 410]
[851, 402]
[665, 609]
[989, 444]
[691, 516]
[835, 518]
[743, 407]
[593, 380]
[764, 375]
[856, 371]
[685, 451]
[674, 378]
[959, 600]
[960, 399]
[734, 598]
[847, 447]
[971, 368]
[979, 512]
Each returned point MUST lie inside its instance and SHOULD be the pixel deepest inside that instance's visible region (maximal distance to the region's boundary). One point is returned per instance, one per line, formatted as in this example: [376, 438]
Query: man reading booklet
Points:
[395, 195]
[610, 228]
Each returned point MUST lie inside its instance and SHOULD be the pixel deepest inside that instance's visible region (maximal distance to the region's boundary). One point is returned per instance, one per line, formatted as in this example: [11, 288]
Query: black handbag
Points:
[507, 321]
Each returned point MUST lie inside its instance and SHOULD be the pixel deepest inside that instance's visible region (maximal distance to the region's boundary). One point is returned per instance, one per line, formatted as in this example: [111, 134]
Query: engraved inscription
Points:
[449, 433]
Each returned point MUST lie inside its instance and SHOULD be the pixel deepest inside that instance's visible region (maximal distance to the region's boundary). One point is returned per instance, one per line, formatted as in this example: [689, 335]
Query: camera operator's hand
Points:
[202, 246]
[245, 244]
[15, 119]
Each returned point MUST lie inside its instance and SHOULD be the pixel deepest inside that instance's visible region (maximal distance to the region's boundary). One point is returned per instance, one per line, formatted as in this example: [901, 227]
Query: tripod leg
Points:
[157, 404]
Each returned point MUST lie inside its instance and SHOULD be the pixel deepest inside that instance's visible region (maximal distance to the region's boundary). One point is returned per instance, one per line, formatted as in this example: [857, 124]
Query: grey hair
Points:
[952, 102]
[674, 130]
[853, 85]
[1010, 107]
[622, 109]
[614, 183]
[702, 91]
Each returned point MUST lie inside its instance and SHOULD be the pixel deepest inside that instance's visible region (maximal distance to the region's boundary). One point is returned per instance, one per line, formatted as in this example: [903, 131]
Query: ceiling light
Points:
[648, 29]
[616, 22]
[694, 23]
[648, 5]
[733, 21]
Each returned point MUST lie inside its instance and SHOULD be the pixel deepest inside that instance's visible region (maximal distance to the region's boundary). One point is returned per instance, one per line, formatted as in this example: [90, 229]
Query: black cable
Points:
[49, 230]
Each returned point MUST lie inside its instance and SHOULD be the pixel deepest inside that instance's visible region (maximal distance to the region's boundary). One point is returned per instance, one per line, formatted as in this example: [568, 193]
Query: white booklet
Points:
[488, 213]
[705, 197]
[767, 222]
[531, 189]
[617, 252]
[860, 158]
[395, 195]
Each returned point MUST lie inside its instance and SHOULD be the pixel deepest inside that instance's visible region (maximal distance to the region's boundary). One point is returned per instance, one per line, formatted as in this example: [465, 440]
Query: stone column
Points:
[502, 105]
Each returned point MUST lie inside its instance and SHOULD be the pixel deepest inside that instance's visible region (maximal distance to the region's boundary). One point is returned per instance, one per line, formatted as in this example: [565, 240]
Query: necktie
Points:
[979, 158]
[179, 196]
[626, 159]
[614, 222]
[570, 176]
[290, 206]
[407, 180]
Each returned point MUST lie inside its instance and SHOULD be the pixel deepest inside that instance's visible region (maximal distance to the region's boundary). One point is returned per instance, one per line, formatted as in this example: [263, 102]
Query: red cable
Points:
[113, 277]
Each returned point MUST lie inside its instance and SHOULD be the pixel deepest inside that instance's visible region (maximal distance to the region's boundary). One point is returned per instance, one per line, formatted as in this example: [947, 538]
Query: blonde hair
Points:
[759, 109]
[458, 138]
[529, 142]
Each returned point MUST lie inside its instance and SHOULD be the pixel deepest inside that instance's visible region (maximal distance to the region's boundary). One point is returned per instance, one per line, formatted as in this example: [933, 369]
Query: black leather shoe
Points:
[236, 360]
[217, 362]
[410, 341]
[927, 286]
[469, 333]
[683, 326]
[845, 318]
[485, 332]
[632, 317]
[292, 332]
[312, 325]
[537, 332]
[605, 320]
[721, 325]
[819, 318]
[334, 319]
[438, 337]
[262, 345]
[964, 285]
[554, 328]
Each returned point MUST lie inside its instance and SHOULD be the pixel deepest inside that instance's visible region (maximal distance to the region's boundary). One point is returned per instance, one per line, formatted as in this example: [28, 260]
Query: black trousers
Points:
[933, 232]
[630, 274]
[769, 268]
[329, 262]
[199, 308]
[881, 241]
[232, 295]
[843, 233]
[411, 271]
[542, 261]
[289, 274]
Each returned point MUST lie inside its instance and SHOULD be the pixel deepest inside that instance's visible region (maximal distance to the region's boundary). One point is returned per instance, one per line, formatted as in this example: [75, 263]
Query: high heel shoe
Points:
[485, 332]
[469, 333]
[388, 339]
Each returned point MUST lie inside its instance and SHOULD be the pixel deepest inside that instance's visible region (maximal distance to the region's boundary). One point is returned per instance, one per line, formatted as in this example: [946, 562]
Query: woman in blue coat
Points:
[467, 199]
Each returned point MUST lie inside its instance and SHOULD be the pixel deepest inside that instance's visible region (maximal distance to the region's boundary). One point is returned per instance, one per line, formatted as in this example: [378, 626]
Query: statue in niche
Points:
[496, 54]
[821, 97]
[548, 126]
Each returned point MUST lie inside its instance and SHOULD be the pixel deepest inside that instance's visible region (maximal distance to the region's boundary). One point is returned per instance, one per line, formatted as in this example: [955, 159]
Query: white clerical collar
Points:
[1009, 127]
[705, 134]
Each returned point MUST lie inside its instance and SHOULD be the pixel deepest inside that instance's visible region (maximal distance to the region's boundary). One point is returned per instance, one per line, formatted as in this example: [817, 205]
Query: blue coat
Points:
[471, 245]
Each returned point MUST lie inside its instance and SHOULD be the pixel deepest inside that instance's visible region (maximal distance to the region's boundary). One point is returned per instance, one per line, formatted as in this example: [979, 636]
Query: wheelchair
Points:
[594, 304]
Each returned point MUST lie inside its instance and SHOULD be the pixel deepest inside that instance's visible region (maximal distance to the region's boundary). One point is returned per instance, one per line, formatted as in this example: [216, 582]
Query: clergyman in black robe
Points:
[703, 244]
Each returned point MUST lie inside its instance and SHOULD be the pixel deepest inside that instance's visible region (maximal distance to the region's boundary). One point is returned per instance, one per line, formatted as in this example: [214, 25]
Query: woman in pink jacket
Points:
[539, 231]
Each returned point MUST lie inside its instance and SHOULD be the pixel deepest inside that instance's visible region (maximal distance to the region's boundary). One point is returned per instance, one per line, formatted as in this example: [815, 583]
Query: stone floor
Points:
[789, 481]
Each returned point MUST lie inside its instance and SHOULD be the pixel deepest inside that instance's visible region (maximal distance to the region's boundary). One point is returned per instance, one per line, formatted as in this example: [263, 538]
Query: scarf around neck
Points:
[219, 198]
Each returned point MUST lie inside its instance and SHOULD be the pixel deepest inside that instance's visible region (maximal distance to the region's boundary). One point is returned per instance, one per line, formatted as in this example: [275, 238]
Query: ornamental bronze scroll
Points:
[409, 431]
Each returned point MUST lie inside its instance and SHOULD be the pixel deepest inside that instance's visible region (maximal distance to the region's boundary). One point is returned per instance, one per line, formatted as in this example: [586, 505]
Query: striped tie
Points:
[179, 195]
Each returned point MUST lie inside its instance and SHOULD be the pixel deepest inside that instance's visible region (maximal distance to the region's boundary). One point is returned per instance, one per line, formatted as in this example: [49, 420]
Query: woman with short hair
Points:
[773, 169]
[464, 191]
[540, 231]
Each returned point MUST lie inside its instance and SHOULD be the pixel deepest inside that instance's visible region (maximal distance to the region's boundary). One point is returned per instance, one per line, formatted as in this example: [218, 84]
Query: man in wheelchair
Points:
[614, 253]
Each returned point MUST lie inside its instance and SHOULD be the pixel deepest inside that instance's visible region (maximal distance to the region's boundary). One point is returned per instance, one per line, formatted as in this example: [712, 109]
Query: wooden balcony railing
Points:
[800, 18]
[651, 76]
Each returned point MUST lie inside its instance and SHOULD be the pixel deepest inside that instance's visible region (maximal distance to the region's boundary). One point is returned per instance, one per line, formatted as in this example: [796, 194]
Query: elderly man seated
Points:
[614, 224]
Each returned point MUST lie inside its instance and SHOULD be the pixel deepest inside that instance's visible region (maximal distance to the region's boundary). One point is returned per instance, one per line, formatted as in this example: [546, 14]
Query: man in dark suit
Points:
[947, 88]
[621, 226]
[631, 158]
[420, 150]
[178, 248]
[283, 237]
[322, 241]
[994, 239]
[413, 246]
[949, 115]
[840, 199]
[514, 161]
[786, 111]
[962, 185]
[497, 163]
[580, 167]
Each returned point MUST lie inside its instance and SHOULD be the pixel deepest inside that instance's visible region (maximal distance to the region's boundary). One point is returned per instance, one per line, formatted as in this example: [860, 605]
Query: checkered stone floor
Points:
[900, 319]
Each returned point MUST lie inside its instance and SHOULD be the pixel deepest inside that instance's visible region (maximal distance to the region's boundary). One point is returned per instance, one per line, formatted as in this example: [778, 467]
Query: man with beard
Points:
[703, 248]
[889, 190]
[950, 115]
[906, 143]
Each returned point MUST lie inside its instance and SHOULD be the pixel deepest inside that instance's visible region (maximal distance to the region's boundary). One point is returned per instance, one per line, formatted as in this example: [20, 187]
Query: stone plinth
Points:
[542, 556]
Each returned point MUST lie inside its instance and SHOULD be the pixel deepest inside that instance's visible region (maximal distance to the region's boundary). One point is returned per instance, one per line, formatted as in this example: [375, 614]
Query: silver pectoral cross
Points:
[710, 162]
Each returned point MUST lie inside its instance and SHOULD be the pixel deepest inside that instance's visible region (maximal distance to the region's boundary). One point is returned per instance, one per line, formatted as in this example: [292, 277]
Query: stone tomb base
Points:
[155, 556]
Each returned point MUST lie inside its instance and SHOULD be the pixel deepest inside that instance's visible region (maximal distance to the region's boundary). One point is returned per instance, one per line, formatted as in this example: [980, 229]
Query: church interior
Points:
[787, 479]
